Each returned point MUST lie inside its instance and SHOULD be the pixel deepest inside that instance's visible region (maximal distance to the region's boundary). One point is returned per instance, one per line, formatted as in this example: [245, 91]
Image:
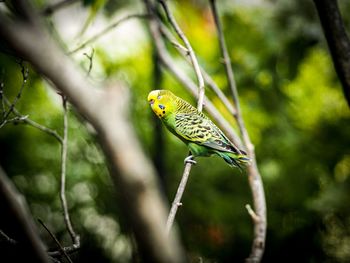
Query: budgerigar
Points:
[196, 130]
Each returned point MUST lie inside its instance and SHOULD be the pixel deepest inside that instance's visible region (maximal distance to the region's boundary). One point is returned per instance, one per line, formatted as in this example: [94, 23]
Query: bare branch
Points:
[254, 177]
[211, 83]
[130, 170]
[177, 200]
[56, 241]
[7, 238]
[17, 210]
[25, 119]
[74, 236]
[106, 30]
[188, 46]
[24, 71]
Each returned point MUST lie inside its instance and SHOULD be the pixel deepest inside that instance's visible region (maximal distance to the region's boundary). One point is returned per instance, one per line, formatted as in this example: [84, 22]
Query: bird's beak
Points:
[151, 102]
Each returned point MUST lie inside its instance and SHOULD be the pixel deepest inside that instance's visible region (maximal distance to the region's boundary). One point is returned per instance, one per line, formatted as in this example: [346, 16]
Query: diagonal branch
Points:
[208, 79]
[194, 60]
[17, 210]
[129, 168]
[106, 30]
[177, 200]
[56, 241]
[254, 177]
[25, 119]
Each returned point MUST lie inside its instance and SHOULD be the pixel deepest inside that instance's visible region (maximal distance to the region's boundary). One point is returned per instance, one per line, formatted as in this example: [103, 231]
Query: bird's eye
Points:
[159, 97]
[151, 101]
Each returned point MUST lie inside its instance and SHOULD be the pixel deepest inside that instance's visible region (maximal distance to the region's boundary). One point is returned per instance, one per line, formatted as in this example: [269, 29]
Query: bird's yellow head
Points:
[162, 102]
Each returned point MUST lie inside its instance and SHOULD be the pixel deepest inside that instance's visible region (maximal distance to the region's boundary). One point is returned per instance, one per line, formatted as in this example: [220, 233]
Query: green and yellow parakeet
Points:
[196, 130]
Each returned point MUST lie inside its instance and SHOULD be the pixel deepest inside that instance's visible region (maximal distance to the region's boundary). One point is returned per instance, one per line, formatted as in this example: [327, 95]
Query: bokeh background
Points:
[292, 104]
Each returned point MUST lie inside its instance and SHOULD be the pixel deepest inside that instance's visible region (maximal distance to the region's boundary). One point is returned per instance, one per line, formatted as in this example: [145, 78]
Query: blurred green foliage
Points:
[293, 107]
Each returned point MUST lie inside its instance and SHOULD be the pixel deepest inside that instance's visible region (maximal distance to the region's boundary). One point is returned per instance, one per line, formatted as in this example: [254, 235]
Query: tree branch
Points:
[106, 30]
[61, 249]
[74, 236]
[25, 119]
[17, 210]
[7, 238]
[211, 83]
[337, 39]
[177, 200]
[107, 110]
[188, 46]
[24, 71]
[254, 177]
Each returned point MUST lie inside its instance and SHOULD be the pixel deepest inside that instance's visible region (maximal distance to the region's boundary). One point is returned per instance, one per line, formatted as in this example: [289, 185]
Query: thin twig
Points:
[208, 79]
[74, 236]
[177, 200]
[15, 208]
[56, 241]
[3, 110]
[106, 30]
[90, 57]
[194, 60]
[7, 238]
[251, 212]
[25, 119]
[24, 71]
[254, 177]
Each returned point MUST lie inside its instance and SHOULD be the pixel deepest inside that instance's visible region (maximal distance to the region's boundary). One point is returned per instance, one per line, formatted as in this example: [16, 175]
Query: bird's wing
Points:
[199, 129]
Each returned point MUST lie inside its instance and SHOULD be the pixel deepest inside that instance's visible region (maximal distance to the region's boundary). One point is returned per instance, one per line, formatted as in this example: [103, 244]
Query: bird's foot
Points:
[189, 159]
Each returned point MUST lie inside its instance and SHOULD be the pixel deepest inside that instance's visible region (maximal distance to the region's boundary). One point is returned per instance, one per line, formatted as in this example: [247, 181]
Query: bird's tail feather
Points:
[235, 160]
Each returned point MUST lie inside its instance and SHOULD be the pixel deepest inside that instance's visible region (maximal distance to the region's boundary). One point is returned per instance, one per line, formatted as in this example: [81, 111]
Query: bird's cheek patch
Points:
[162, 107]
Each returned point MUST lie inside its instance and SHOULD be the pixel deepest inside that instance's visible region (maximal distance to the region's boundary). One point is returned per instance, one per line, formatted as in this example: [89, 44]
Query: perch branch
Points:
[177, 200]
[254, 177]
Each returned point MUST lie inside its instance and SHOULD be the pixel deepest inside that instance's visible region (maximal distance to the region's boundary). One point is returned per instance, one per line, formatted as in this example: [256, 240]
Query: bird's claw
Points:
[189, 159]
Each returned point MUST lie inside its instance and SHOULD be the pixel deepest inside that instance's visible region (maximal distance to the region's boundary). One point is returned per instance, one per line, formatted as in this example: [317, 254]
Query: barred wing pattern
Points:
[197, 128]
